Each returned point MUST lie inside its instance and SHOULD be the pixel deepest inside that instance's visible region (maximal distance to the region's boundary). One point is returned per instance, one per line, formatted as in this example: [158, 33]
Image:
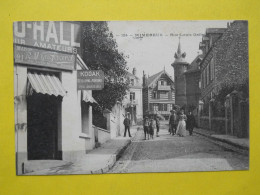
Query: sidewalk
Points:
[97, 161]
[242, 144]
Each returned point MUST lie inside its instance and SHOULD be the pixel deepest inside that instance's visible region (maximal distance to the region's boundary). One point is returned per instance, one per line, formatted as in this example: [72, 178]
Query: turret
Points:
[180, 67]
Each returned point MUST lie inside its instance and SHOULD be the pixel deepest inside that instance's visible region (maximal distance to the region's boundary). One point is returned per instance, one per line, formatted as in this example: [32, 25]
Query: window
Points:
[132, 96]
[84, 117]
[154, 95]
[155, 107]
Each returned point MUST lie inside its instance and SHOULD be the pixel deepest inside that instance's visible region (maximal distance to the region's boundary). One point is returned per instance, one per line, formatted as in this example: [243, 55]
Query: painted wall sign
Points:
[58, 36]
[41, 57]
[90, 79]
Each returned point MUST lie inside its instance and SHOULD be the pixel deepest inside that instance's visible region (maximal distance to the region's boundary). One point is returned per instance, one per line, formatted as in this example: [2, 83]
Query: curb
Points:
[112, 160]
[226, 143]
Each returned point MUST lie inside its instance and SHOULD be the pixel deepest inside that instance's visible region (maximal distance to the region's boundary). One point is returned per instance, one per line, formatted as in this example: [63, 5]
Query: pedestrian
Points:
[157, 120]
[173, 122]
[181, 128]
[146, 127]
[191, 122]
[152, 127]
[127, 126]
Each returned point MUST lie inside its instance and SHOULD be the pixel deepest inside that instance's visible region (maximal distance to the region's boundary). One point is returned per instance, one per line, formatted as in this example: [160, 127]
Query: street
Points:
[176, 154]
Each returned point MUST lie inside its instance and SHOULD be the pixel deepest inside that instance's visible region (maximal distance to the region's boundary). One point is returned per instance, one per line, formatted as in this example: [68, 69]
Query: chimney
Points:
[144, 79]
[134, 71]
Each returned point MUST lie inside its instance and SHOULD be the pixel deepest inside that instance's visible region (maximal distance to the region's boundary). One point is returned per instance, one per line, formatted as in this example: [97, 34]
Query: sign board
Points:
[90, 79]
[51, 35]
[41, 57]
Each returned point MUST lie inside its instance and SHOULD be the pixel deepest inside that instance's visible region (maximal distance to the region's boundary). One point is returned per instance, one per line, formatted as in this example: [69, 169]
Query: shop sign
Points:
[90, 79]
[51, 35]
[45, 58]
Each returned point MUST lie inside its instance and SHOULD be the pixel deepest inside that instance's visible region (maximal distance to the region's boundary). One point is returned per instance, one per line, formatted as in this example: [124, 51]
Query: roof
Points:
[156, 76]
[131, 75]
[215, 30]
[194, 64]
[153, 77]
[179, 56]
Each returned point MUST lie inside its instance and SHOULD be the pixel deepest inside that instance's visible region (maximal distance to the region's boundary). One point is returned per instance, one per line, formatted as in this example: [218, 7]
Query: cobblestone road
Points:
[175, 154]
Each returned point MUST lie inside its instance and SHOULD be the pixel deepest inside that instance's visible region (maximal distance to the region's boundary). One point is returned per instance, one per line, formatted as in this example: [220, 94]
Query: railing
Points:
[164, 87]
[159, 112]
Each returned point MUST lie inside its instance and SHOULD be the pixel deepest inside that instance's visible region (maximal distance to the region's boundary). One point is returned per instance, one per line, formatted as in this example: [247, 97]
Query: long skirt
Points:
[181, 128]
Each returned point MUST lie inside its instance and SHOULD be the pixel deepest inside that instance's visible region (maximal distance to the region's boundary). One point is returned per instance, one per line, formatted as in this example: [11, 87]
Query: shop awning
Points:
[45, 84]
[86, 97]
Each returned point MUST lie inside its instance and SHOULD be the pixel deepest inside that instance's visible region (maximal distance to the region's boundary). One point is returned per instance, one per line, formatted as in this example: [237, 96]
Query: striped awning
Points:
[45, 84]
[87, 97]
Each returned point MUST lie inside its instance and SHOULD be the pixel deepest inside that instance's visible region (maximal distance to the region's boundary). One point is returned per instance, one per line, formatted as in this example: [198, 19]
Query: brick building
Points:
[158, 94]
[226, 57]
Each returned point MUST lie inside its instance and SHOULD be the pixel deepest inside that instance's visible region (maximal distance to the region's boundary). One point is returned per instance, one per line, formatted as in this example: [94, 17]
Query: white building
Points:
[134, 98]
[53, 120]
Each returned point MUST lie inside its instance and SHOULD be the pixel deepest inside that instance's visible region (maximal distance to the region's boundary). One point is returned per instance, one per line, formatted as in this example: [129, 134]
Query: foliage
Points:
[100, 52]
[218, 107]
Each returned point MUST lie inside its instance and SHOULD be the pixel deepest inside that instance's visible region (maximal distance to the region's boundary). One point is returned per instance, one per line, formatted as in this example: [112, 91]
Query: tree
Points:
[100, 52]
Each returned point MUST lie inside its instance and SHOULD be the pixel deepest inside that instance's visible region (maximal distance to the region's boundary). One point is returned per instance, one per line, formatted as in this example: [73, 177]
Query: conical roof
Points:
[179, 56]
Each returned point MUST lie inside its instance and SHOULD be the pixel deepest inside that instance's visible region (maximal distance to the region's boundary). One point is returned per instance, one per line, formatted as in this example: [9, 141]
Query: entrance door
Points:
[42, 117]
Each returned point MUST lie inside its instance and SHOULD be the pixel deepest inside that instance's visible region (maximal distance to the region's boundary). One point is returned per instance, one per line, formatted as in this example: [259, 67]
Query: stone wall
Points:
[218, 125]
[231, 54]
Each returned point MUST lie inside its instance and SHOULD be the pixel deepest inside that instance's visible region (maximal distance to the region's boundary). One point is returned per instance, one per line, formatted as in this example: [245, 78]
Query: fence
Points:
[236, 116]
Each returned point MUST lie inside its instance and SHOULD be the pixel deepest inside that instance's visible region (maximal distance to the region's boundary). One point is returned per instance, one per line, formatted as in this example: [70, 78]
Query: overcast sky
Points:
[153, 53]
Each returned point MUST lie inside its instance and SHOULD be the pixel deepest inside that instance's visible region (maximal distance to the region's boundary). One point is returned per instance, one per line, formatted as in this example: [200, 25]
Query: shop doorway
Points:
[42, 135]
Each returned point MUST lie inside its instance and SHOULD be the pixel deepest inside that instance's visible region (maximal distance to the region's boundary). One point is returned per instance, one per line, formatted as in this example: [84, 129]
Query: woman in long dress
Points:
[181, 128]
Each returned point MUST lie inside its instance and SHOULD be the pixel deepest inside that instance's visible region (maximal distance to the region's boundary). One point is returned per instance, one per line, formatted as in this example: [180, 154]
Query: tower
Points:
[180, 67]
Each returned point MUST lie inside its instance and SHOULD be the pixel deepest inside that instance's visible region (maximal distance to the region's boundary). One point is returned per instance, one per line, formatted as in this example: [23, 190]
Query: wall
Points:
[102, 134]
[20, 81]
[192, 87]
[180, 84]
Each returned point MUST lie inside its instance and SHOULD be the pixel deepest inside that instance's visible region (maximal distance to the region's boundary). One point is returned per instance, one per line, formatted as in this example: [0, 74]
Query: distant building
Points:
[226, 57]
[193, 84]
[158, 94]
[134, 98]
[187, 79]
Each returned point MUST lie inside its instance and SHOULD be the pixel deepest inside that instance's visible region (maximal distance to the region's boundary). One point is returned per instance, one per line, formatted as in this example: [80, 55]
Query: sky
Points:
[154, 53]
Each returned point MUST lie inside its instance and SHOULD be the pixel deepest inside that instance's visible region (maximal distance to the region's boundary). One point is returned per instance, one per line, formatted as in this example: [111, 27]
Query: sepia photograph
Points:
[95, 97]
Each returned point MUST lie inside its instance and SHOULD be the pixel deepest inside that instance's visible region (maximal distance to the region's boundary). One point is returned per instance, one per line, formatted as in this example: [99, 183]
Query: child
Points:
[152, 127]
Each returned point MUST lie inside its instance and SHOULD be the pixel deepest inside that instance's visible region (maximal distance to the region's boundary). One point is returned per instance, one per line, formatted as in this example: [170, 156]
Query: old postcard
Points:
[94, 97]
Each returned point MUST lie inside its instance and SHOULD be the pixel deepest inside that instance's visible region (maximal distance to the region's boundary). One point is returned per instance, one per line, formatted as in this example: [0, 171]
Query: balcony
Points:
[160, 112]
[132, 103]
[164, 88]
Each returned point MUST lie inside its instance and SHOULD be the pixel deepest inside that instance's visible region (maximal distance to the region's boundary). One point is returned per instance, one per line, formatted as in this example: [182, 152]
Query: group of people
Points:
[179, 123]
[149, 125]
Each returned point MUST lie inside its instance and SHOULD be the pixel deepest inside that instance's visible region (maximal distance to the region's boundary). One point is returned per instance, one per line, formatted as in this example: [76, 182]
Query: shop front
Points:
[53, 120]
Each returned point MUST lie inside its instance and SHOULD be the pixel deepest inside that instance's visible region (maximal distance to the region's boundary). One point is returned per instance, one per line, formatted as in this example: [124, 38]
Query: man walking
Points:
[191, 122]
[157, 120]
[146, 127]
[127, 126]
[173, 122]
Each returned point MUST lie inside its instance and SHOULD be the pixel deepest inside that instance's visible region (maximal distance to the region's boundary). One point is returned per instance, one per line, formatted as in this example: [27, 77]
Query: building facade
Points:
[158, 94]
[53, 120]
[226, 58]
[134, 98]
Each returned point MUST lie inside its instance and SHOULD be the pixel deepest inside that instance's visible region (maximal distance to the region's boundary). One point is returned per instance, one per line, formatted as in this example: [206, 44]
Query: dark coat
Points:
[173, 119]
[191, 122]
[127, 122]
